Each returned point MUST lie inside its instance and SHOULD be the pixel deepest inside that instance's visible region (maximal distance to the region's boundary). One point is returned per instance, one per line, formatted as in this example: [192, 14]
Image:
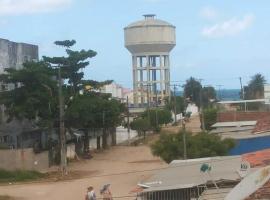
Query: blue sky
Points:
[217, 40]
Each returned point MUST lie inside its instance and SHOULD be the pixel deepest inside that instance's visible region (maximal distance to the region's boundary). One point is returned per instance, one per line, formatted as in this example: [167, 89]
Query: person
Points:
[90, 194]
[106, 192]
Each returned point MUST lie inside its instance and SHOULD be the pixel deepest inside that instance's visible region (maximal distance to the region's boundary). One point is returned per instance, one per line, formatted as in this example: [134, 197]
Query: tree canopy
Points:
[170, 146]
[255, 87]
[32, 94]
[192, 90]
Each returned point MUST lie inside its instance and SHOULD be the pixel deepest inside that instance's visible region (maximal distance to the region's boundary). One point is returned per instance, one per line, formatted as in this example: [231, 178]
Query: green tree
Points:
[157, 117]
[192, 90]
[210, 117]
[141, 126]
[33, 95]
[94, 110]
[255, 88]
[170, 146]
[177, 102]
[208, 96]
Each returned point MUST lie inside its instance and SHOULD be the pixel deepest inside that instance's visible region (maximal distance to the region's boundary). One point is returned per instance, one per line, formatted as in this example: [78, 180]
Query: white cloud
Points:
[209, 12]
[229, 28]
[19, 7]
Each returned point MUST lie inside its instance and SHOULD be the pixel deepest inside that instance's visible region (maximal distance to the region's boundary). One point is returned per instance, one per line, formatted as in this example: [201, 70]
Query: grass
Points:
[19, 176]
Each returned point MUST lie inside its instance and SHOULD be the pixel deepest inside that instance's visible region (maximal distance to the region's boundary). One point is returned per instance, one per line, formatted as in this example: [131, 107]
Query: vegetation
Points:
[141, 126]
[210, 117]
[192, 90]
[208, 96]
[157, 117]
[36, 94]
[177, 103]
[19, 175]
[171, 147]
[255, 87]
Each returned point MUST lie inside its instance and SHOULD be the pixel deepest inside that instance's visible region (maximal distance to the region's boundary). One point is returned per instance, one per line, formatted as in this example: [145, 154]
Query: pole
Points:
[62, 126]
[243, 93]
[201, 107]
[128, 125]
[184, 138]
[174, 90]
[156, 110]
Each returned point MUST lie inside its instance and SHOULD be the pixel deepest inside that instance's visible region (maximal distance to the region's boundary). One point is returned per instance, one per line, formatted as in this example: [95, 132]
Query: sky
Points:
[217, 40]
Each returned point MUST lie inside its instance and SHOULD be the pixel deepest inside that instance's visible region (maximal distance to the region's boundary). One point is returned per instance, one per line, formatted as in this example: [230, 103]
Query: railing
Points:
[179, 194]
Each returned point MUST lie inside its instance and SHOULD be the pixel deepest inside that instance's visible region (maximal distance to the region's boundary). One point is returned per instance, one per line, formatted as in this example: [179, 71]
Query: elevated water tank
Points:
[150, 35]
[150, 42]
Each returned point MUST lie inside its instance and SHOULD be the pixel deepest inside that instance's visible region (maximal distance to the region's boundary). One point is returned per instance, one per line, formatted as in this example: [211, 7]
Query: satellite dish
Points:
[249, 184]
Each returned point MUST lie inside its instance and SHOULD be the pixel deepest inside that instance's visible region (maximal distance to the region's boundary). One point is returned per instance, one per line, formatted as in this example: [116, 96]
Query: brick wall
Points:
[241, 116]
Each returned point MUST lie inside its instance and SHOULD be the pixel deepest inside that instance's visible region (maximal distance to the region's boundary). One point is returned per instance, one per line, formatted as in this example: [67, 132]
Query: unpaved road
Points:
[116, 161]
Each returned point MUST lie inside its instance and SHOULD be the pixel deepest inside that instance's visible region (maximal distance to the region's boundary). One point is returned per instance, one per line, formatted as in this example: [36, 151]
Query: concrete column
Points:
[135, 80]
[162, 83]
[141, 79]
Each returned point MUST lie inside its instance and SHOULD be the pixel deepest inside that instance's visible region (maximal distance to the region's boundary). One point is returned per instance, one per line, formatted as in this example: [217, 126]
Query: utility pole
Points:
[201, 107]
[219, 91]
[128, 125]
[62, 126]
[243, 93]
[174, 91]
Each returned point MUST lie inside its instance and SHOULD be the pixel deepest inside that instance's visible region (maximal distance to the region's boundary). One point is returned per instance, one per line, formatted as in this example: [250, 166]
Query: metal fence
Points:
[179, 194]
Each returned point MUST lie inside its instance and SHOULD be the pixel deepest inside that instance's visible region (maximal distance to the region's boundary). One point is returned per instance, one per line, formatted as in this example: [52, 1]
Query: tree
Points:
[141, 126]
[255, 88]
[177, 102]
[69, 68]
[208, 96]
[33, 96]
[157, 117]
[192, 90]
[170, 146]
[210, 117]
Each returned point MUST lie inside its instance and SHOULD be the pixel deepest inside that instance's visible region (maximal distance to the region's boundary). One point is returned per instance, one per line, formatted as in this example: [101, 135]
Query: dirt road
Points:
[117, 161]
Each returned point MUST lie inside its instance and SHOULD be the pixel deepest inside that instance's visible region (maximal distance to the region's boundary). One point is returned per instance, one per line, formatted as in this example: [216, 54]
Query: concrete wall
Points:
[241, 116]
[24, 159]
[13, 55]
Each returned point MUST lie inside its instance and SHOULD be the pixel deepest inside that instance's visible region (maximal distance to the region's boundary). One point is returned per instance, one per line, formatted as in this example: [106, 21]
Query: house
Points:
[185, 179]
[250, 136]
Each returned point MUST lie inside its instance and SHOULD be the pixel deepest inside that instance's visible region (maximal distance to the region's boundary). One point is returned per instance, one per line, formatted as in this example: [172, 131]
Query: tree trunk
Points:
[104, 139]
[78, 147]
[86, 142]
[113, 132]
[98, 142]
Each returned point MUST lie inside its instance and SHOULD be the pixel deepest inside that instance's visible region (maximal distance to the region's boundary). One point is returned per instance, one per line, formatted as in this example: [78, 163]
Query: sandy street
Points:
[117, 160]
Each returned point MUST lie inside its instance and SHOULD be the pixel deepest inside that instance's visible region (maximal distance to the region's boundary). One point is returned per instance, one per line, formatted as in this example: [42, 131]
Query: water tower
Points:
[150, 42]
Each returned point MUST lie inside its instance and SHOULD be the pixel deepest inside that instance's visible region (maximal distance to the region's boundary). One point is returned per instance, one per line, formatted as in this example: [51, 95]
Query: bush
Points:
[210, 117]
[170, 147]
[19, 175]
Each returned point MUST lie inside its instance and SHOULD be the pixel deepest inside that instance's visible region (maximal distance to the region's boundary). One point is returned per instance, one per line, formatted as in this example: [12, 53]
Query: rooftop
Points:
[187, 174]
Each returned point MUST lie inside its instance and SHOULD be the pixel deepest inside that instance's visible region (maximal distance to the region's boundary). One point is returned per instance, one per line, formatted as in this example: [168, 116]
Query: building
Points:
[251, 130]
[150, 42]
[13, 55]
[185, 179]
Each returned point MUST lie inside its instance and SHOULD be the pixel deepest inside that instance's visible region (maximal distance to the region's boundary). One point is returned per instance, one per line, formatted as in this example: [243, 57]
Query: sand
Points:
[111, 166]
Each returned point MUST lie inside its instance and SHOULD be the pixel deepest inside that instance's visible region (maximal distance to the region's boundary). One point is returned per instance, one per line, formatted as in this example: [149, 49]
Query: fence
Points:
[178, 194]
